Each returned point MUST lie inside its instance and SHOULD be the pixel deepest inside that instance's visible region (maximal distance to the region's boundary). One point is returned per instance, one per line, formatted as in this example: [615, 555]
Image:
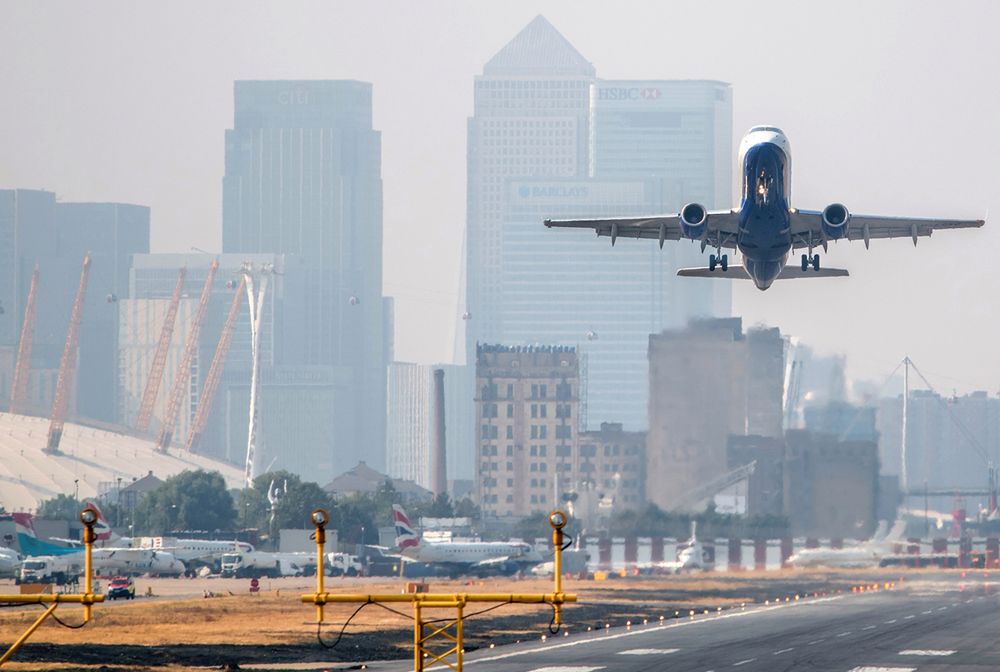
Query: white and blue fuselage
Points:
[764, 238]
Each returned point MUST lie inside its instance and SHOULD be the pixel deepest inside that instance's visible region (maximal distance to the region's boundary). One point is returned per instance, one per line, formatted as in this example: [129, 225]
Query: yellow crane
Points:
[160, 357]
[184, 368]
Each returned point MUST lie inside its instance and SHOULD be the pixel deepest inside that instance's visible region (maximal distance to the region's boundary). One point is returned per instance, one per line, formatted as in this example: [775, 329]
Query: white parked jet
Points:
[866, 554]
[765, 227]
[691, 557]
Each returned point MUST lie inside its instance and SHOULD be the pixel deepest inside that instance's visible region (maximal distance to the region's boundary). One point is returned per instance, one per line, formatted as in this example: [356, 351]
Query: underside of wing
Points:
[718, 229]
[740, 273]
[811, 229]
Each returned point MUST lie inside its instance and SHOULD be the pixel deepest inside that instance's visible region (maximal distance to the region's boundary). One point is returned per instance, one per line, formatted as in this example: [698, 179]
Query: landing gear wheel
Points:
[724, 262]
[805, 262]
[815, 262]
[712, 261]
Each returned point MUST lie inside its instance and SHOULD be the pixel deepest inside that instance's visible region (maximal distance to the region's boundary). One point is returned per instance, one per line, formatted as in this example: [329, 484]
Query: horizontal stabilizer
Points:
[733, 273]
[740, 273]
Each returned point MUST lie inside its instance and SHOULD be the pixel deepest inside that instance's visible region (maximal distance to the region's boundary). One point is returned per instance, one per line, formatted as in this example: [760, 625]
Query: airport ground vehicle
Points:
[121, 587]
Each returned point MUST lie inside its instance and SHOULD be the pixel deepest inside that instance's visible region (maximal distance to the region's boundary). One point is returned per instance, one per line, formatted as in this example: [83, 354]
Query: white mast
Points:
[903, 484]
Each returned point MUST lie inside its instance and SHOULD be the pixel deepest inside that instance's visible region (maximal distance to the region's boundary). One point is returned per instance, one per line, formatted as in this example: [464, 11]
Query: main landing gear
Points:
[810, 260]
[722, 261]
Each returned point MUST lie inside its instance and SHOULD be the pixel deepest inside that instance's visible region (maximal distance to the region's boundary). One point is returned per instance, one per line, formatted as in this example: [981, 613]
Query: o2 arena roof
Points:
[93, 457]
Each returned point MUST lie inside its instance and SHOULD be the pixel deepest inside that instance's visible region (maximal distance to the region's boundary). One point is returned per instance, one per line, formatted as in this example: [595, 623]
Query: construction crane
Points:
[160, 357]
[19, 388]
[184, 368]
[690, 499]
[207, 397]
[67, 365]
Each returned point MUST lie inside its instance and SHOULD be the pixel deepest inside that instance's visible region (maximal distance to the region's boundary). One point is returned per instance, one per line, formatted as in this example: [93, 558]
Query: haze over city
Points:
[890, 109]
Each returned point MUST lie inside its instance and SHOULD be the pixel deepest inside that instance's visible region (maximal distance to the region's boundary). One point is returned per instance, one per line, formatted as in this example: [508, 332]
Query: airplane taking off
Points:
[765, 228]
[461, 556]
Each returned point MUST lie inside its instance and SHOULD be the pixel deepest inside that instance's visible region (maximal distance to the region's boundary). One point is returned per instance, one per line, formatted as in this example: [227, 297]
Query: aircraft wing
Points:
[720, 229]
[740, 273]
[808, 225]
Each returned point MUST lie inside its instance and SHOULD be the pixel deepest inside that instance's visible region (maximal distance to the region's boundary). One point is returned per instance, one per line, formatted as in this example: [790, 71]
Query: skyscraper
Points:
[549, 139]
[36, 230]
[303, 179]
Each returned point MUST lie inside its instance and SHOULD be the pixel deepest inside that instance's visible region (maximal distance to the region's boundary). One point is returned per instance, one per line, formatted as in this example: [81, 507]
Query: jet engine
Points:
[694, 220]
[836, 219]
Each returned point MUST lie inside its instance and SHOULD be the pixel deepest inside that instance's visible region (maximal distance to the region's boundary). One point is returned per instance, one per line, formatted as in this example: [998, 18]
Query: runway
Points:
[943, 623]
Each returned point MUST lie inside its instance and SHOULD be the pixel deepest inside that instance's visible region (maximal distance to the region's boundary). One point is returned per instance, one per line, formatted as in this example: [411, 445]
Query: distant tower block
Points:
[439, 473]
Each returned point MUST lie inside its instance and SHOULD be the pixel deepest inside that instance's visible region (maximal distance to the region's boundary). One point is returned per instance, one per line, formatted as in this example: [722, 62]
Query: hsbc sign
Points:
[629, 93]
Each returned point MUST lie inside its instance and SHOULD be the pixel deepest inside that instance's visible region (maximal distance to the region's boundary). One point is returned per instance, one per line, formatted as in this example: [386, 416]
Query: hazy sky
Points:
[891, 108]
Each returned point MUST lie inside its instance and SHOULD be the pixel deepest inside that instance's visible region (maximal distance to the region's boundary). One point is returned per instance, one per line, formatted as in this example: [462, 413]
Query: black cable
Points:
[553, 622]
[64, 623]
[319, 628]
[569, 542]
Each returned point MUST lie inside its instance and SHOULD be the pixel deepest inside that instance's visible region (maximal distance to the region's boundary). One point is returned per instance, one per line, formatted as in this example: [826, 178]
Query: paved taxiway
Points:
[942, 623]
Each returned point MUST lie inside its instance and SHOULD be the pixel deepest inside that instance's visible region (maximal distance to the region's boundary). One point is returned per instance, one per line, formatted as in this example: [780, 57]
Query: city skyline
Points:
[824, 101]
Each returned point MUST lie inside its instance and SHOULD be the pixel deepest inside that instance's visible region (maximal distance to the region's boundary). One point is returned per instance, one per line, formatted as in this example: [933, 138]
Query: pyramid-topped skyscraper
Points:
[550, 139]
[539, 49]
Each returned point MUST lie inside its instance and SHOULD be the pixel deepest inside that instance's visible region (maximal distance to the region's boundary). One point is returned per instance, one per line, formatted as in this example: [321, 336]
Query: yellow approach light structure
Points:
[89, 518]
[441, 641]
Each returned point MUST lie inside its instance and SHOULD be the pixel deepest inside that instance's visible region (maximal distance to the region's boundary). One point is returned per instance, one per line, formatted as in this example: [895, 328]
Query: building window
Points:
[541, 431]
[510, 498]
[534, 431]
[541, 451]
[563, 431]
[542, 389]
[510, 466]
[510, 410]
[510, 431]
[543, 410]
[533, 450]
[510, 393]
[510, 451]
[534, 410]
[534, 466]
[542, 466]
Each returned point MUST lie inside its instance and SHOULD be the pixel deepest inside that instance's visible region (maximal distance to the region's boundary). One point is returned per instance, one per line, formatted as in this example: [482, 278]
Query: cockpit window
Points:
[772, 129]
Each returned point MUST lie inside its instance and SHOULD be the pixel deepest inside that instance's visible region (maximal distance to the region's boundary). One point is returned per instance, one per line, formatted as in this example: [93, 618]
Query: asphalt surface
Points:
[942, 623]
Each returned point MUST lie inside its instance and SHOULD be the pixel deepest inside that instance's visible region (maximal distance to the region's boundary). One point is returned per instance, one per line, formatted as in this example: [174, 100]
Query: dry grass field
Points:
[219, 623]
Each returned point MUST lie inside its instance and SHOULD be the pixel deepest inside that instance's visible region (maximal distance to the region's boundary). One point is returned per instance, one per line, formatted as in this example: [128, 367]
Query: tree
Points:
[191, 500]
[60, 507]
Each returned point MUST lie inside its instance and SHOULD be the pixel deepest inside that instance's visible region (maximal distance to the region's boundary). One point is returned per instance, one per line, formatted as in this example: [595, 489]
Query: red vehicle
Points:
[121, 586]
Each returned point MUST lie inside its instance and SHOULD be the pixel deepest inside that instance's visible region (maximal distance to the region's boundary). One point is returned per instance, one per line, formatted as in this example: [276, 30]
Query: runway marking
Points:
[647, 652]
[927, 612]
[744, 662]
[781, 651]
[870, 627]
[844, 634]
[890, 622]
[563, 668]
[658, 628]
[868, 668]
[906, 618]
[926, 652]
[815, 641]
[942, 608]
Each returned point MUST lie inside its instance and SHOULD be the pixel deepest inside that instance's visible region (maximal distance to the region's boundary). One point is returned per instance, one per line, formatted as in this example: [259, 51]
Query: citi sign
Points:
[628, 93]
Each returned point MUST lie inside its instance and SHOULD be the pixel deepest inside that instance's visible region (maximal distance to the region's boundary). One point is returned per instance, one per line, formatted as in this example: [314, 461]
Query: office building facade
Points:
[707, 382]
[549, 139]
[303, 179]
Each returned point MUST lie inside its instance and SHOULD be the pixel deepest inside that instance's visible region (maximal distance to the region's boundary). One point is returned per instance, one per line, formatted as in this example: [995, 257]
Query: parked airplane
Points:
[765, 228]
[462, 556]
[192, 552]
[691, 556]
[866, 554]
[118, 560]
[10, 562]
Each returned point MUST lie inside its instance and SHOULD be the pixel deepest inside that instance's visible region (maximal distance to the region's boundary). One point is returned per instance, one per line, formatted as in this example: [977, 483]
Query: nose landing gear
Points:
[810, 260]
[722, 261]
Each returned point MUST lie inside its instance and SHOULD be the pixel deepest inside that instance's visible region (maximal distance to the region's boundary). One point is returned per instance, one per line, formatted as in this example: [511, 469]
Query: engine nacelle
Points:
[694, 220]
[836, 221]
